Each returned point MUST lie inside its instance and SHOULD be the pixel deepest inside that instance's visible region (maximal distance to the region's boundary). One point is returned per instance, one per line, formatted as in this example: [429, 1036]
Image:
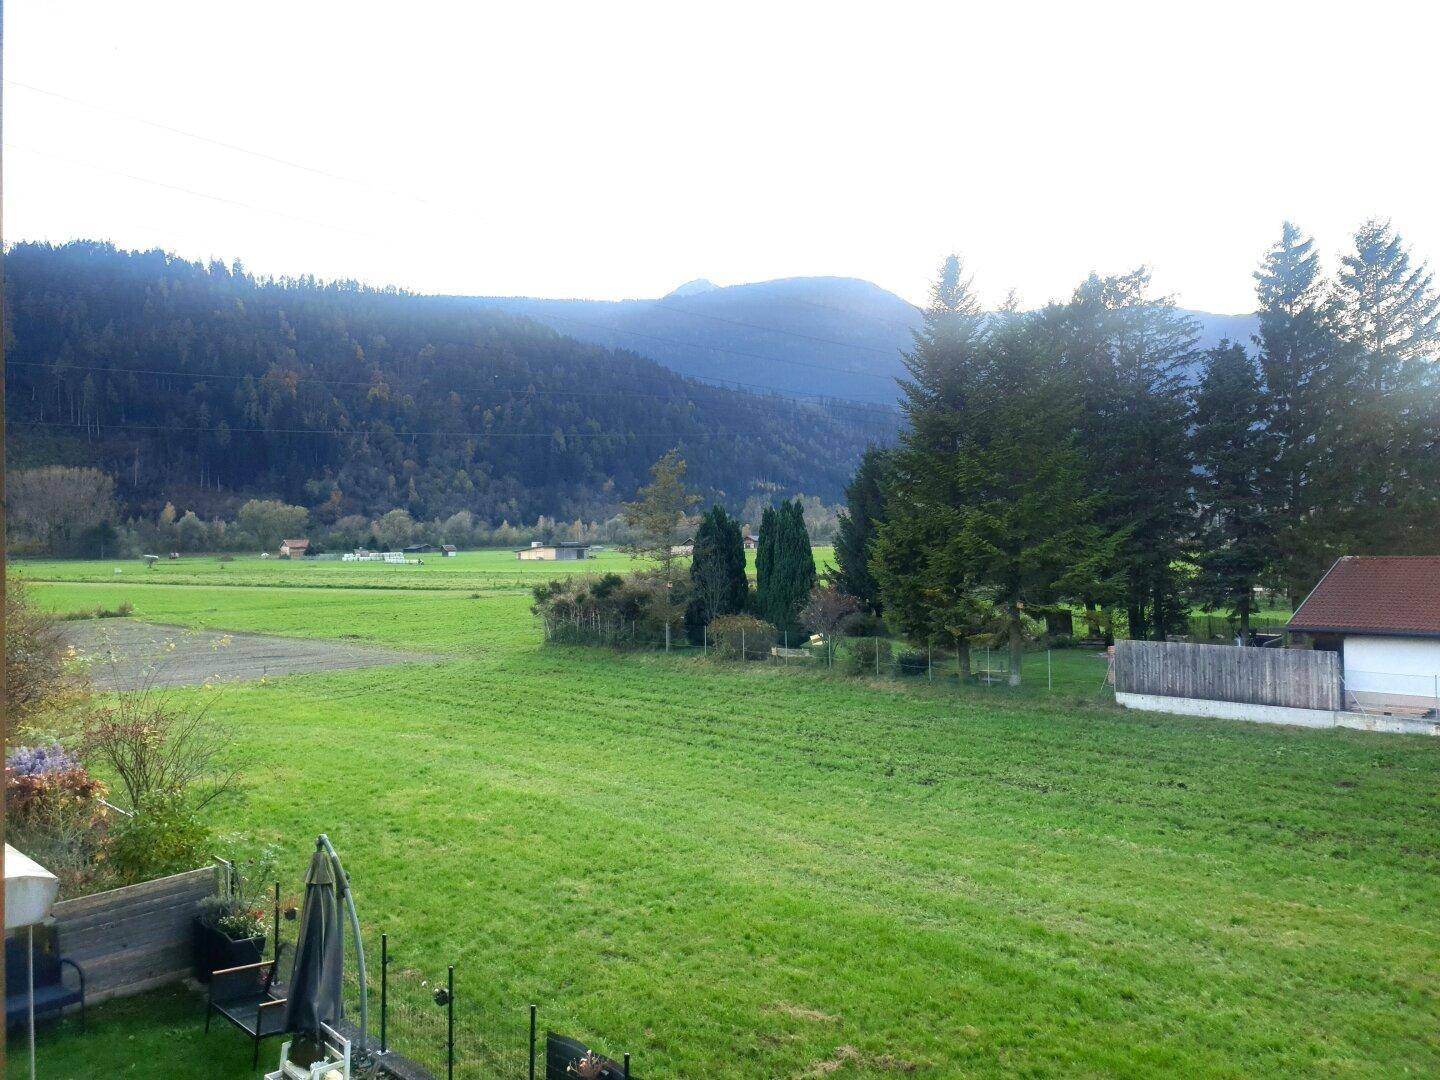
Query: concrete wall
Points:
[1402, 671]
[1277, 714]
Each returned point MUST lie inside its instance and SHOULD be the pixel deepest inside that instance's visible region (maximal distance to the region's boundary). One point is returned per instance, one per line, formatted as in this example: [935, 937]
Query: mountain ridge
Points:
[828, 336]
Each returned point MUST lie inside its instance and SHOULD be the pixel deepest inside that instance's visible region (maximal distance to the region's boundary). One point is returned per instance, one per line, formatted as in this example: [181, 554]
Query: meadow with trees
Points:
[1089, 460]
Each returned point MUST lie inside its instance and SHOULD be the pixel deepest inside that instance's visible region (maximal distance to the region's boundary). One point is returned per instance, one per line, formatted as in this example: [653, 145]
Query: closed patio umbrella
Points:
[313, 996]
[30, 889]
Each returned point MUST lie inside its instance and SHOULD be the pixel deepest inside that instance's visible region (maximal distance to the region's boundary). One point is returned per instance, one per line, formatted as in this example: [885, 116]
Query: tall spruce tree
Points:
[1127, 355]
[863, 514]
[1297, 357]
[717, 568]
[1235, 453]
[1383, 489]
[988, 518]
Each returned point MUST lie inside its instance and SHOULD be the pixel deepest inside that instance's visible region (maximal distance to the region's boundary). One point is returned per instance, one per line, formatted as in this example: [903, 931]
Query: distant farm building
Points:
[448, 551]
[750, 540]
[293, 549]
[568, 551]
[1382, 615]
[687, 548]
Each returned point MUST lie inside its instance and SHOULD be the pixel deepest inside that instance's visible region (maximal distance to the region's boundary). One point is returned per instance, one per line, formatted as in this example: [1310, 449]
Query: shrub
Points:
[162, 748]
[36, 685]
[608, 609]
[56, 813]
[911, 662]
[860, 656]
[165, 836]
[742, 637]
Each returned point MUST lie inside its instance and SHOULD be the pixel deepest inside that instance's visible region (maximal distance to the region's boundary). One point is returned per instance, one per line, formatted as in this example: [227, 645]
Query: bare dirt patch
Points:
[124, 654]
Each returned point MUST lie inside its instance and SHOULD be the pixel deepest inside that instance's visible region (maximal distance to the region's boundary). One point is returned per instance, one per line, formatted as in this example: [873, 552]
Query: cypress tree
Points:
[765, 560]
[717, 568]
[790, 570]
[1235, 454]
[863, 514]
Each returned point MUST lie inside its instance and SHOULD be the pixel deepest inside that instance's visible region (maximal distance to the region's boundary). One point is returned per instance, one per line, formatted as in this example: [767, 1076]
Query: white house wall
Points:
[1392, 670]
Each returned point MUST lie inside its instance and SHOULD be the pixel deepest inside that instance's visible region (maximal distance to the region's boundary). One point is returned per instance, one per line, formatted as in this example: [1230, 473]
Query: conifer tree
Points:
[988, 519]
[1297, 358]
[1128, 355]
[863, 514]
[790, 570]
[717, 568]
[1383, 465]
[1234, 451]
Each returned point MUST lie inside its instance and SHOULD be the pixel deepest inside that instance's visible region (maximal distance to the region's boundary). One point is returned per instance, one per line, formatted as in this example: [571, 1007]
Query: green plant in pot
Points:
[231, 926]
[227, 934]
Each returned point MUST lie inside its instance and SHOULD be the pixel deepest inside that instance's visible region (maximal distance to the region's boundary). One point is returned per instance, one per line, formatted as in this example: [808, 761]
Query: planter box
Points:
[214, 951]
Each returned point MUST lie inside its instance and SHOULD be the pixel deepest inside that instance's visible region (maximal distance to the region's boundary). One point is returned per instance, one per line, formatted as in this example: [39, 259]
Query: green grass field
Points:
[759, 872]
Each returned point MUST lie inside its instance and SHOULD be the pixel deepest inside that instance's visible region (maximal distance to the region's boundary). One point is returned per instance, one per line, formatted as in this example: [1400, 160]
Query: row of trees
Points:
[716, 585]
[1090, 454]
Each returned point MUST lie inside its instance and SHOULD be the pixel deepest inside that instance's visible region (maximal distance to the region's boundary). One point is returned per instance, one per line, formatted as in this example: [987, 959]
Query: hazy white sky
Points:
[617, 149]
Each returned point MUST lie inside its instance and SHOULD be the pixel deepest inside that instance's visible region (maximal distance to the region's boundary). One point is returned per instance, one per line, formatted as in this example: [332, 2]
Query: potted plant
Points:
[227, 934]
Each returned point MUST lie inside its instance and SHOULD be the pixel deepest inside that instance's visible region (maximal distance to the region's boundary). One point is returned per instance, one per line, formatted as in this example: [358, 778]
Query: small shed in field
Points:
[567, 551]
[294, 549]
[1382, 615]
[448, 550]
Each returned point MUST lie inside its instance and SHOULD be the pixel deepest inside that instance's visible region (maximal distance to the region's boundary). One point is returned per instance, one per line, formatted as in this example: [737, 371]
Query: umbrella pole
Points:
[344, 883]
[30, 978]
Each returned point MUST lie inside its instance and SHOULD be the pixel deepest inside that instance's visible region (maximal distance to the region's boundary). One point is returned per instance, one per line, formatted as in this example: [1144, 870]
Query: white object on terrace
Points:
[30, 891]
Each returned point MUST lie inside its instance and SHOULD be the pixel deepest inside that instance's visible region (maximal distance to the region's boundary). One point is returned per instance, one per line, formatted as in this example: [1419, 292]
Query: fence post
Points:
[627, 1067]
[450, 1024]
[705, 640]
[742, 643]
[929, 665]
[276, 953]
[1049, 672]
[787, 647]
[532, 1042]
[384, 989]
[877, 657]
[667, 635]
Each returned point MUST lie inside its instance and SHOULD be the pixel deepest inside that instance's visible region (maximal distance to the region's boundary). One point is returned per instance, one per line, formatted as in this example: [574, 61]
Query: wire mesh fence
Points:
[1074, 669]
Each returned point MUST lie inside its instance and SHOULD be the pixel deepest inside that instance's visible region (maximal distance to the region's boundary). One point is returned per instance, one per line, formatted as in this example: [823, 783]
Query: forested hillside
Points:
[202, 385]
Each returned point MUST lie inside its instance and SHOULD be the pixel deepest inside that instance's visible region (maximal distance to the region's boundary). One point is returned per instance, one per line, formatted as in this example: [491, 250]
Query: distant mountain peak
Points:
[693, 288]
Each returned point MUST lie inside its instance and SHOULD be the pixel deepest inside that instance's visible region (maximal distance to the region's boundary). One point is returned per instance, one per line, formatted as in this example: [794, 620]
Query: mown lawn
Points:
[758, 872]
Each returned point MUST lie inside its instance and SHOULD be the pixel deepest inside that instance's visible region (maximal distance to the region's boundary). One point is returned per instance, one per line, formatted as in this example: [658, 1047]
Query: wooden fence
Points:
[136, 938]
[1295, 678]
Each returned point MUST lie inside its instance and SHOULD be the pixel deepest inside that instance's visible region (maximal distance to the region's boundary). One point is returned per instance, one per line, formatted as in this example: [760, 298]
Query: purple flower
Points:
[40, 760]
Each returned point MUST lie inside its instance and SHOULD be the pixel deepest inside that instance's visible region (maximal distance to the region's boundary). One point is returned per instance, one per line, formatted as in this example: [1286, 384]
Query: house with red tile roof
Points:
[1382, 614]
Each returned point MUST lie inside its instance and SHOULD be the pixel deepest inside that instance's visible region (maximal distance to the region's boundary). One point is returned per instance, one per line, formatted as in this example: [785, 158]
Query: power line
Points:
[188, 191]
[101, 427]
[261, 154]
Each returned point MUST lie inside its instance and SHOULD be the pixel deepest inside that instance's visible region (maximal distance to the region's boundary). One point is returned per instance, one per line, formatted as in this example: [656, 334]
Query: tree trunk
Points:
[962, 658]
[1017, 647]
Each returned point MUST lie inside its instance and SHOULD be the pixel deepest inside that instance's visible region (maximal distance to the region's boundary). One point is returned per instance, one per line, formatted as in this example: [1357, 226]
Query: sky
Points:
[612, 150]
